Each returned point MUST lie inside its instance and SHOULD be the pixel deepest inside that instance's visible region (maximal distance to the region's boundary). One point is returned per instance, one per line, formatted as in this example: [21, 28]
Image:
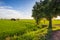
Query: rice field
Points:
[24, 29]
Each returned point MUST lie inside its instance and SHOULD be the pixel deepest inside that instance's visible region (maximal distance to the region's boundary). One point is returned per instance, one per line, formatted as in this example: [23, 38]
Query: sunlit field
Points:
[25, 29]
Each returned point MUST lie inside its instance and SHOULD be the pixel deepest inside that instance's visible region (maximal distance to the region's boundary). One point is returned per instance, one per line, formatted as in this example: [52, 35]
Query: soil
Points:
[56, 35]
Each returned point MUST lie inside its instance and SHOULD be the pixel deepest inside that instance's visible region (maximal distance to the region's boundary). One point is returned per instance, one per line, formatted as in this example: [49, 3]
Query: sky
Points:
[16, 9]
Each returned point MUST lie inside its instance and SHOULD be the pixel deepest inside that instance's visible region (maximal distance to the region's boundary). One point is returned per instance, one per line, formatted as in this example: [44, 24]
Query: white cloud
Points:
[9, 13]
[38, 0]
[58, 17]
[6, 7]
[6, 12]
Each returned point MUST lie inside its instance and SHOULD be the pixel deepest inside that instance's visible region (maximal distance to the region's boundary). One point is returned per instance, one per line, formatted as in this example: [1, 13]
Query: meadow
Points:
[25, 29]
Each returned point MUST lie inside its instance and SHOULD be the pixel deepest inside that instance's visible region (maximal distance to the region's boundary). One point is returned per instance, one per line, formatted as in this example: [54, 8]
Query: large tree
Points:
[48, 8]
[52, 9]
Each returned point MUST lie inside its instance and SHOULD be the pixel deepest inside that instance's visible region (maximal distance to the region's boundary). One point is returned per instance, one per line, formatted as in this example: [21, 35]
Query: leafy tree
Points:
[37, 12]
[46, 9]
[52, 9]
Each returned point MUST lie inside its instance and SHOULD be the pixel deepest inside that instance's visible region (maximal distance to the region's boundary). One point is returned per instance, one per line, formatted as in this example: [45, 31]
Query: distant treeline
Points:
[12, 19]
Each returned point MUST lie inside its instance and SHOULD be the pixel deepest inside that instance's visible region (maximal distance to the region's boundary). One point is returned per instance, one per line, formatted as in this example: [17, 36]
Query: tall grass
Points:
[24, 29]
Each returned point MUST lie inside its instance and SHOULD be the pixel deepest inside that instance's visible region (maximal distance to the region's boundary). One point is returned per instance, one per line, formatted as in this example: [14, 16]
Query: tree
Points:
[48, 8]
[37, 12]
[51, 10]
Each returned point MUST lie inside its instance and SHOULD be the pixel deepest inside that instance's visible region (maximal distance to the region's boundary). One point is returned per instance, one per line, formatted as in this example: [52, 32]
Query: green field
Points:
[24, 29]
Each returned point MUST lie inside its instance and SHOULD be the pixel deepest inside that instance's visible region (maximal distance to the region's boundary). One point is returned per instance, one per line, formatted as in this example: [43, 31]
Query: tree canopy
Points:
[46, 9]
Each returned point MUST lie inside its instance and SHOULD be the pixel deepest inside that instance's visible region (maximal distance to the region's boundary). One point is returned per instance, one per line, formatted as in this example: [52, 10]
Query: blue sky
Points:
[16, 8]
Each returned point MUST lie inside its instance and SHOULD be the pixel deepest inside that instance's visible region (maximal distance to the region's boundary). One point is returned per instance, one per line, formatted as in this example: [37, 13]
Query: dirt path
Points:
[56, 35]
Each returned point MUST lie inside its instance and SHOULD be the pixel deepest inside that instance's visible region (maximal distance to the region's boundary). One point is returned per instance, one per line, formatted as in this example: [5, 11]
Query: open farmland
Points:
[24, 29]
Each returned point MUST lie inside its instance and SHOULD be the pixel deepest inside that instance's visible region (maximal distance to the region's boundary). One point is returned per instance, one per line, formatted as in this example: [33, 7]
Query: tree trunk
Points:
[49, 29]
[44, 21]
[37, 22]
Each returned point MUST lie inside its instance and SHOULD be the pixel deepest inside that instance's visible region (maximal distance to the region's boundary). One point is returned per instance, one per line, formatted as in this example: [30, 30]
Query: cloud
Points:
[38, 0]
[6, 12]
[9, 13]
[58, 17]
[6, 7]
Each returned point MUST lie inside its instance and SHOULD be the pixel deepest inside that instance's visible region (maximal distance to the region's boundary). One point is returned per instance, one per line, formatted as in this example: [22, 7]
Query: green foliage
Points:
[24, 29]
[10, 28]
[46, 9]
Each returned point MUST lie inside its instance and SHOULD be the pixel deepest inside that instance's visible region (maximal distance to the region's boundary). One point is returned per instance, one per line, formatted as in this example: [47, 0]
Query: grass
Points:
[24, 29]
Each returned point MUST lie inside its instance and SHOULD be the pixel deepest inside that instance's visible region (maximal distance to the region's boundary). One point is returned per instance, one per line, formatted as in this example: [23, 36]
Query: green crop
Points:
[25, 29]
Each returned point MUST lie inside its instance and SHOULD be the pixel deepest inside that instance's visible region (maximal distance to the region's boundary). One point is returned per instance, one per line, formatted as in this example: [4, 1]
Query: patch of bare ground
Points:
[8, 38]
[55, 35]
[56, 24]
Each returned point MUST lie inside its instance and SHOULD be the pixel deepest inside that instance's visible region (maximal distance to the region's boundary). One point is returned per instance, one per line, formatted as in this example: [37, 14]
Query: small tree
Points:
[37, 12]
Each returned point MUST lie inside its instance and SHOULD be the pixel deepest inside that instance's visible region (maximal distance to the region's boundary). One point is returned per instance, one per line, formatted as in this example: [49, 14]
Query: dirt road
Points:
[56, 35]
